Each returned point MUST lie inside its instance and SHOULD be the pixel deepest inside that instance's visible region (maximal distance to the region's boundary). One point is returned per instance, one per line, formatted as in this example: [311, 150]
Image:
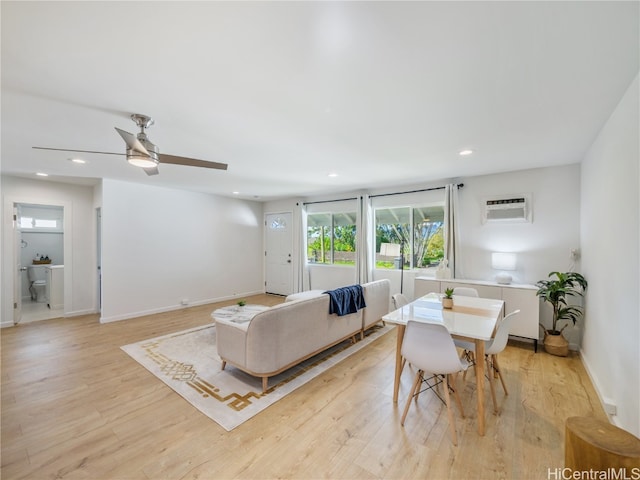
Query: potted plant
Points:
[447, 300]
[242, 303]
[555, 291]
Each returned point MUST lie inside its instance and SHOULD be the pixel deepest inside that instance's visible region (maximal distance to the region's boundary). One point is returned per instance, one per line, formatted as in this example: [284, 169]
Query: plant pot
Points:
[447, 302]
[556, 344]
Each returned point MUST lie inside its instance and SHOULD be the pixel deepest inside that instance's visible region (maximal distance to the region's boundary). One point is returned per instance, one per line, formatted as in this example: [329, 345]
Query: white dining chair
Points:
[491, 350]
[399, 300]
[465, 292]
[429, 348]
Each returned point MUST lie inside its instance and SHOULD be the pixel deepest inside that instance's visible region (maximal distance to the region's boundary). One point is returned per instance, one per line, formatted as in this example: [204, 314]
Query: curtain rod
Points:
[459, 185]
[329, 201]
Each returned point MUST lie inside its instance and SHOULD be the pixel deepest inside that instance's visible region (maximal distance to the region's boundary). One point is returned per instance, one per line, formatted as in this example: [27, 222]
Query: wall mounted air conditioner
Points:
[507, 208]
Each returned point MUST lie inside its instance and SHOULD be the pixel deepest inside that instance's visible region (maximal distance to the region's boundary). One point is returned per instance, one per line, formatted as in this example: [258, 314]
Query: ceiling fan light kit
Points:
[142, 153]
[140, 160]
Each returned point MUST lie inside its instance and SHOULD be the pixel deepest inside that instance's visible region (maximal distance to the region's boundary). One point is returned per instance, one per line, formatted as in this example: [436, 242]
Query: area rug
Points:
[188, 362]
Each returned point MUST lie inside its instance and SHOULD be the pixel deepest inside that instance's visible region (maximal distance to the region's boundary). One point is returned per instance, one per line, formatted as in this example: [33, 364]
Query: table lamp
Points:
[503, 262]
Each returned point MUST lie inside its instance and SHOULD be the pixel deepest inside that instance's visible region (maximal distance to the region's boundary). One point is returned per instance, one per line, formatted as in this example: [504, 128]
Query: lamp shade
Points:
[503, 261]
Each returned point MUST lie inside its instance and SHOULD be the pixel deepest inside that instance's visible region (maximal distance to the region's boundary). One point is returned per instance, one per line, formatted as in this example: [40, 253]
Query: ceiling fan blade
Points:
[151, 171]
[190, 162]
[132, 142]
[77, 151]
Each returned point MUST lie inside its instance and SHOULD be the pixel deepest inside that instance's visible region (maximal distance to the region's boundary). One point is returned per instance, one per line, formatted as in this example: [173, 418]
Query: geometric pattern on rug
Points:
[187, 361]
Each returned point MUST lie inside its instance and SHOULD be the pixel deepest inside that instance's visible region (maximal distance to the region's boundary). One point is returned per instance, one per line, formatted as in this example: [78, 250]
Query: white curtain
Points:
[451, 230]
[365, 245]
[302, 280]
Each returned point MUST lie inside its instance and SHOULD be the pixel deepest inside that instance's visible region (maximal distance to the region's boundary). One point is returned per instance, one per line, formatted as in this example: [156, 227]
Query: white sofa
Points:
[301, 327]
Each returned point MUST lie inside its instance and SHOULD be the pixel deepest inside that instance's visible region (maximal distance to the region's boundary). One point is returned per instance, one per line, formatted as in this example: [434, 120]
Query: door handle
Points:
[23, 269]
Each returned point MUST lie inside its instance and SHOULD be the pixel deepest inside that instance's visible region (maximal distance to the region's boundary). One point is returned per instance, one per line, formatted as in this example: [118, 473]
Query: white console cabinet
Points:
[522, 297]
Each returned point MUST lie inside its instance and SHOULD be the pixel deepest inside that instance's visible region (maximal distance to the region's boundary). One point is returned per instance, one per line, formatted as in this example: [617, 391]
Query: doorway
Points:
[39, 262]
[99, 256]
[278, 254]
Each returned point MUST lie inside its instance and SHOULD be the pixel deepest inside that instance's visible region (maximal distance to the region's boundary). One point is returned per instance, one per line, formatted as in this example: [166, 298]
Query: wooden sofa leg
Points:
[224, 364]
[265, 380]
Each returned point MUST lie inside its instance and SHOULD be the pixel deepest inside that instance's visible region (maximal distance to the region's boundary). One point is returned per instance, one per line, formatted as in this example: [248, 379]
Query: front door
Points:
[279, 247]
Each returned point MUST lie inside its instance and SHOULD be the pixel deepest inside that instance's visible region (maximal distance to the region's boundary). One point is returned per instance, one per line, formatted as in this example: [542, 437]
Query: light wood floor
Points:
[75, 406]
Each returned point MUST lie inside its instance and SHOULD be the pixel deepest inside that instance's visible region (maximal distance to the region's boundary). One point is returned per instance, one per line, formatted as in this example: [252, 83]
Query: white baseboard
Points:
[170, 308]
[78, 313]
[596, 386]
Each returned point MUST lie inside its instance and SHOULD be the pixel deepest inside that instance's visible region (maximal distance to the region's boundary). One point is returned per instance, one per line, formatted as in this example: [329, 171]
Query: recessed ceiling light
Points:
[77, 160]
[333, 174]
[236, 193]
[41, 174]
[465, 152]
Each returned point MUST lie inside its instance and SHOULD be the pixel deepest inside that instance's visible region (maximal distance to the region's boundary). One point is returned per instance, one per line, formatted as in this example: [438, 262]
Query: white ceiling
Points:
[380, 93]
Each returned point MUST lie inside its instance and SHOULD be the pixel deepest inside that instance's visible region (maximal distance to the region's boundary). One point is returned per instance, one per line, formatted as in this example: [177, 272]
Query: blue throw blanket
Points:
[346, 300]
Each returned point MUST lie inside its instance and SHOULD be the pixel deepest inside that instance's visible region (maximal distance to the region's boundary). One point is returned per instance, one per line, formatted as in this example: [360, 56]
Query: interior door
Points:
[18, 269]
[279, 247]
[99, 256]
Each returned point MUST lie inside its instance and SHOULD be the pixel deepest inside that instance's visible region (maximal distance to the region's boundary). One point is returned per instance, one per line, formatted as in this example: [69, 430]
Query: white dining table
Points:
[471, 318]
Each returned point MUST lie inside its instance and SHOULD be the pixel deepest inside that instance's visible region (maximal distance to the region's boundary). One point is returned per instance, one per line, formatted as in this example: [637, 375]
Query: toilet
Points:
[37, 282]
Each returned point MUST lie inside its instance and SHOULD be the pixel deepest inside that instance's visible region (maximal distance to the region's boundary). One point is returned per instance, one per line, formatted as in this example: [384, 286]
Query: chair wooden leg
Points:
[265, 381]
[454, 387]
[452, 425]
[416, 384]
[491, 383]
[224, 364]
[497, 368]
[416, 392]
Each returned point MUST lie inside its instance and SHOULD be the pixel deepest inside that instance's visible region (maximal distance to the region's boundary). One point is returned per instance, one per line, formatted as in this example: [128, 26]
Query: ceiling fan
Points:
[142, 153]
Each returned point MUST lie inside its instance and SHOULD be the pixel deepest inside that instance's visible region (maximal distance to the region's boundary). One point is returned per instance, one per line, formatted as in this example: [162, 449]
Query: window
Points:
[331, 238]
[30, 223]
[420, 230]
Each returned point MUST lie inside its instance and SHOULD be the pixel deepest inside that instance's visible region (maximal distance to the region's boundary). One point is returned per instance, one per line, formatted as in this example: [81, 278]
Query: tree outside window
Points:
[420, 230]
[331, 238]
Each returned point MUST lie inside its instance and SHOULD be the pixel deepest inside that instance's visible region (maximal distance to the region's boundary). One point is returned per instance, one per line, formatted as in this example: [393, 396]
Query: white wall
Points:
[328, 277]
[79, 240]
[610, 244]
[542, 246]
[160, 246]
